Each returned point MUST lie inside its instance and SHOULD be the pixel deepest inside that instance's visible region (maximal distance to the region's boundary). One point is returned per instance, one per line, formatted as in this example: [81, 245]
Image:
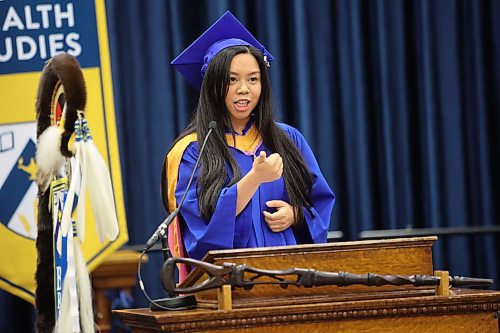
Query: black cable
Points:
[141, 286]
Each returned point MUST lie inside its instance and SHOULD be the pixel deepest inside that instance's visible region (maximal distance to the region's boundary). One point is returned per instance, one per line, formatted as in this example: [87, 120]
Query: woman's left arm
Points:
[322, 197]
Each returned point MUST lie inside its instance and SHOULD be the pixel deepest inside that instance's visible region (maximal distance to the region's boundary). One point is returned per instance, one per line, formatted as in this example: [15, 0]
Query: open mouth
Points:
[242, 102]
[242, 105]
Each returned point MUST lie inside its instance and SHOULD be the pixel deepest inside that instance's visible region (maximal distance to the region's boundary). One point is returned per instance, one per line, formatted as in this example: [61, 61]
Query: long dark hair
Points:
[211, 106]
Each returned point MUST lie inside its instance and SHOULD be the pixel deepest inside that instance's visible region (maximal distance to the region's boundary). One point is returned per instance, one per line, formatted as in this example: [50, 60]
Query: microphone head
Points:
[212, 124]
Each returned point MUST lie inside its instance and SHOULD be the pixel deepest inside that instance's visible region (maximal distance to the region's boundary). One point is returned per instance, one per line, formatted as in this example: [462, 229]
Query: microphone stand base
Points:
[184, 302]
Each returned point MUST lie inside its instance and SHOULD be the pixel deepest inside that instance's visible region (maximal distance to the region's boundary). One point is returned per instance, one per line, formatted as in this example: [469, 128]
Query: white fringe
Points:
[89, 170]
[63, 323]
[100, 192]
[81, 206]
[69, 318]
[84, 291]
[70, 198]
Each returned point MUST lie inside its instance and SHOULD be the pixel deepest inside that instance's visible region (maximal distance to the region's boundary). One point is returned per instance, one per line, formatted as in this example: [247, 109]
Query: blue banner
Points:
[32, 32]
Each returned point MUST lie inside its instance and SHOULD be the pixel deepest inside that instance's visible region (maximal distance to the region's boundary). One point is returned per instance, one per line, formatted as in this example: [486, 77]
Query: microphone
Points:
[162, 228]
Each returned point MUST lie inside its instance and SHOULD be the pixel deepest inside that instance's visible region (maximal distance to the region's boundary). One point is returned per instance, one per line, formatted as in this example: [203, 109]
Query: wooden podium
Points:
[270, 308]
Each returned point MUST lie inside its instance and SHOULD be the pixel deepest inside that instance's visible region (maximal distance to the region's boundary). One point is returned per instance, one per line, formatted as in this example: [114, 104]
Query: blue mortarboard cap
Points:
[227, 31]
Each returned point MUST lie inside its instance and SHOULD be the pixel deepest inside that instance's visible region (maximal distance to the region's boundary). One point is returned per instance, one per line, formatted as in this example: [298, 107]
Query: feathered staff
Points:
[60, 118]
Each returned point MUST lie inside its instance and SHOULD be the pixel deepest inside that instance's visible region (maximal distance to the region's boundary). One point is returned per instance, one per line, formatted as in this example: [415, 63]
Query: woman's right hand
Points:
[267, 169]
[264, 169]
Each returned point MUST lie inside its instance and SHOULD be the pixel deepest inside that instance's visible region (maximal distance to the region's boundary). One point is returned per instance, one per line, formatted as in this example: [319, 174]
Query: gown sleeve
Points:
[224, 230]
[316, 226]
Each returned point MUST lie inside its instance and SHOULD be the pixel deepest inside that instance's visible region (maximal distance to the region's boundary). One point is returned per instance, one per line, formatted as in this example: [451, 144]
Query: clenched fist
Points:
[267, 169]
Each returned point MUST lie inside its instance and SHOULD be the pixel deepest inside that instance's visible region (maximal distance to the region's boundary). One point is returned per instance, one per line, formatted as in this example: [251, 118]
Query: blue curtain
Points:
[398, 99]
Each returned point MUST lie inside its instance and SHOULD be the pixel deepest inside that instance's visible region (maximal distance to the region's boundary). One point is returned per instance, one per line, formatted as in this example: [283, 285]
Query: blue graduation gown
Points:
[225, 230]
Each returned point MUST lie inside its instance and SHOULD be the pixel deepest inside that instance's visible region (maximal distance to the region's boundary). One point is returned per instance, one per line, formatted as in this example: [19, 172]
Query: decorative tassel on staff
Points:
[65, 173]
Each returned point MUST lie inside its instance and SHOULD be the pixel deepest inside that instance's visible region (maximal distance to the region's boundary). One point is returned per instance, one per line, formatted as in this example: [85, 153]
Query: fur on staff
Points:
[64, 68]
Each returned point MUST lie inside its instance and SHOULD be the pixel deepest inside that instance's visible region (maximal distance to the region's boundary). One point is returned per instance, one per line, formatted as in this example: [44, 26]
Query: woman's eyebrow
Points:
[252, 73]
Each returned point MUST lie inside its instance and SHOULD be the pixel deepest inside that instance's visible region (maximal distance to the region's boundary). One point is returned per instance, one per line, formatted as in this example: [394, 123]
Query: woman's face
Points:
[244, 89]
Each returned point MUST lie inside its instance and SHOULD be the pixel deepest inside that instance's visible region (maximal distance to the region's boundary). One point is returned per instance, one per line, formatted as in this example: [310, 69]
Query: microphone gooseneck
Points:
[161, 230]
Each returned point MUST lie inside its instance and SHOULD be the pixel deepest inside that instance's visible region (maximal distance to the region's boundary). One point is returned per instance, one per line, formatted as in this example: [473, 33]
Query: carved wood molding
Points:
[229, 322]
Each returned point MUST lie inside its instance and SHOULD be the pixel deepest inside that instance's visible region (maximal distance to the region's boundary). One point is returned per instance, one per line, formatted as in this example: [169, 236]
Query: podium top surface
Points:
[215, 255]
